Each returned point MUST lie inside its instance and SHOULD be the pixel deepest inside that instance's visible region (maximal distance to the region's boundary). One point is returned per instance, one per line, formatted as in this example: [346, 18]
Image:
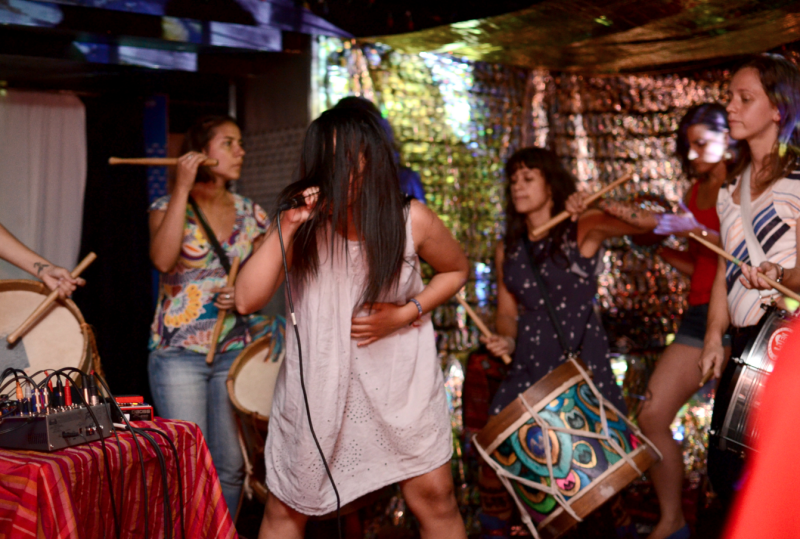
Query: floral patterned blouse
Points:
[186, 314]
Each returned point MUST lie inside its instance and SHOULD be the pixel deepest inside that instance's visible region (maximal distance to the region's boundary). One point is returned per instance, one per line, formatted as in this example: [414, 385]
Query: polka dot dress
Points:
[571, 284]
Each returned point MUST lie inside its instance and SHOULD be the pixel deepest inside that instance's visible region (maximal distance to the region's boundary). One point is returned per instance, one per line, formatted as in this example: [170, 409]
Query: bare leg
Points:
[432, 499]
[675, 379]
[281, 521]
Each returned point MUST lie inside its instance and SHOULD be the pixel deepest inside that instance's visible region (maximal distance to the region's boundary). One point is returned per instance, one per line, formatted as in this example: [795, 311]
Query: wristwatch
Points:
[779, 280]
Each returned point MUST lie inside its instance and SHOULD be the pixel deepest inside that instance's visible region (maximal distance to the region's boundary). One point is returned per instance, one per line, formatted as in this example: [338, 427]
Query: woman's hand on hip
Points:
[383, 319]
[499, 345]
[225, 297]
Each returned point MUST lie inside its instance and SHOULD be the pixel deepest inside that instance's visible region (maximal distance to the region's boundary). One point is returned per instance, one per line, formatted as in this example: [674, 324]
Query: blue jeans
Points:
[185, 387]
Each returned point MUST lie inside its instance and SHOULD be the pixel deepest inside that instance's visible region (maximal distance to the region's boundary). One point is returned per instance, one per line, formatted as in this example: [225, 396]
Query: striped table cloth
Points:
[65, 494]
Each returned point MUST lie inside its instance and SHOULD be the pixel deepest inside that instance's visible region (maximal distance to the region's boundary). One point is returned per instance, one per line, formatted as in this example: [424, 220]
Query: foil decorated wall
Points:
[456, 122]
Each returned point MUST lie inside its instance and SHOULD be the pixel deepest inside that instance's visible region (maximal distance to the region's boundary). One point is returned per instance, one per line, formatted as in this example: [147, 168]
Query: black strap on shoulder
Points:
[212, 238]
[568, 351]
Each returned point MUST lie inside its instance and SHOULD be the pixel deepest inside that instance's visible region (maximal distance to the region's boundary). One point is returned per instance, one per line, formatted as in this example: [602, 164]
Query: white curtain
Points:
[42, 174]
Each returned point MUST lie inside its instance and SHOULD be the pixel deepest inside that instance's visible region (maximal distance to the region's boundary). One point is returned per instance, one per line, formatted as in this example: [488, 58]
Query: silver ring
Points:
[227, 296]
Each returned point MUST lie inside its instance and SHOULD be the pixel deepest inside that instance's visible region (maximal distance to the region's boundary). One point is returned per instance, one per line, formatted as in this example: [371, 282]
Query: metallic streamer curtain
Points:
[43, 174]
[457, 121]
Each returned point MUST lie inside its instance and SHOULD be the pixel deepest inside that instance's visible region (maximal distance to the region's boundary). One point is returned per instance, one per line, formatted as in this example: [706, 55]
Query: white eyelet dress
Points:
[379, 411]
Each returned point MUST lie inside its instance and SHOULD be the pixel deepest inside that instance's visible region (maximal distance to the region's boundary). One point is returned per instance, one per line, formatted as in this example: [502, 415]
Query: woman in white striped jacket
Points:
[758, 215]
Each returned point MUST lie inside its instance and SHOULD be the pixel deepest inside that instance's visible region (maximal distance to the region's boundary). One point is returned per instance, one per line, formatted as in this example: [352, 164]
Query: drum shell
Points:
[253, 424]
[80, 358]
[739, 390]
[504, 425]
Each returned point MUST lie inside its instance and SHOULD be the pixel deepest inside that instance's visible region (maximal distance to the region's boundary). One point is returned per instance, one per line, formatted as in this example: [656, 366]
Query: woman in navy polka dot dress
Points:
[569, 257]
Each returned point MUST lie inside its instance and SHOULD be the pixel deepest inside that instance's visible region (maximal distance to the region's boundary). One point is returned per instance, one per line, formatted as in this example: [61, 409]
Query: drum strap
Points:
[212, 238]
[568, 350]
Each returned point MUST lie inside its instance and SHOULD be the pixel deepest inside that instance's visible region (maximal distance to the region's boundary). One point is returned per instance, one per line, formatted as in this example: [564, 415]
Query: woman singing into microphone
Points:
[375, 394]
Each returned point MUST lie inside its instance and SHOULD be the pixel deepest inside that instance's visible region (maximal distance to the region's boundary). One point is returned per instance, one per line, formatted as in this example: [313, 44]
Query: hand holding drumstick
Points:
[224, 302]
[497, 344]
[755, 279]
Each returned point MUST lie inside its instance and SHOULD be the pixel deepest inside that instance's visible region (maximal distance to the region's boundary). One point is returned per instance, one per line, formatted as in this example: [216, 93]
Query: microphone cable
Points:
[302, 379]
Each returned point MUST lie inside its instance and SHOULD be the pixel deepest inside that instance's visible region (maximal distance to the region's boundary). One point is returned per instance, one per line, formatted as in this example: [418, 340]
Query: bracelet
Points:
[419, 308]
[780, 277]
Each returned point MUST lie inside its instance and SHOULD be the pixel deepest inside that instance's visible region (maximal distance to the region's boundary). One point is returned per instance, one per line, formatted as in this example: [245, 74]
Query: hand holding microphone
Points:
[297, 209]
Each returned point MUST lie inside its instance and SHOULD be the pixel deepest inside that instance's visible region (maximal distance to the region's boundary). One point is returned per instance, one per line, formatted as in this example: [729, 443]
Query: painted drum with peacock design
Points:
[560, 453]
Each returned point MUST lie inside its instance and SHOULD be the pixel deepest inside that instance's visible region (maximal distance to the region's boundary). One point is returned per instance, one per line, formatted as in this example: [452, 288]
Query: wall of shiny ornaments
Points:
[456, 122]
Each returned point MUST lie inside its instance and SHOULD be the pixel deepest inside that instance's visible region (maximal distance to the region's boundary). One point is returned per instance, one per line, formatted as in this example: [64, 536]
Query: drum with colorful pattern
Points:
[562, 451]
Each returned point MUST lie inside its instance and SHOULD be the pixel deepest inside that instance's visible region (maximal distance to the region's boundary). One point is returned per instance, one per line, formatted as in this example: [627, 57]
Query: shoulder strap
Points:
[754, 249]
[212, 238]
[568, 351]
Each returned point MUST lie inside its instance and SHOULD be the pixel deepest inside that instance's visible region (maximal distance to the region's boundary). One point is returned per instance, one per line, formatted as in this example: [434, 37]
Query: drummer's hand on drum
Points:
[712, 358]
[499, 345]
[58, 278]
[186, 171]
[224, 298]
[383, 319]
[751, 277]
[576, 204]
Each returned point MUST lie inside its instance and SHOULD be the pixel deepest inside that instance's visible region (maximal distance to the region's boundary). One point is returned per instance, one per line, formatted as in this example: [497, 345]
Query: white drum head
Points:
[255, 382]
[55, 341]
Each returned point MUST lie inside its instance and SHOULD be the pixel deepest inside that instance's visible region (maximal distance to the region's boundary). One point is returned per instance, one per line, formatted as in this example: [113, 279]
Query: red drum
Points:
[561, 450]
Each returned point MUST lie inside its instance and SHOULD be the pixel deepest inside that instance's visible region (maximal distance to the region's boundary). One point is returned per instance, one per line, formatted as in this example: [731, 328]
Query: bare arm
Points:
[504, 342]
[263, 274]
[595, 226]
[55, 277]
[713, 355]
[434, 243]
[680, 260]
[166, 227]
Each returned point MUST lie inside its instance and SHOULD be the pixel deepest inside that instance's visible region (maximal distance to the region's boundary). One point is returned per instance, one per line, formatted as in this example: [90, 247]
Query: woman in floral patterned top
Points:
[193, 287]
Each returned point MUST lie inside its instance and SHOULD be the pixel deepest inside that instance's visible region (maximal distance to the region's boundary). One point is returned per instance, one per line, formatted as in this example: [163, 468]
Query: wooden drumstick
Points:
[222, 314]
[155, 161]
[14, 337]
[777, 286]
[566, 215]
[706, 377]
[481, 326]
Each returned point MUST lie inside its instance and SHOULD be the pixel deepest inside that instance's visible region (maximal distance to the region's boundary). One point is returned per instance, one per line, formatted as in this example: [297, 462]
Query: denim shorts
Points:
[692, 330]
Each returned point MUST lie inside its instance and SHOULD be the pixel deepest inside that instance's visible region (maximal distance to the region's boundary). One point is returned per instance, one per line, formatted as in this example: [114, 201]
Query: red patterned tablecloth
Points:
[65, 494]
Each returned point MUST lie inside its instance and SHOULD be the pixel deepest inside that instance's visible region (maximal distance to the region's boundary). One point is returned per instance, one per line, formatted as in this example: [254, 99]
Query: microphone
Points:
[297, 201]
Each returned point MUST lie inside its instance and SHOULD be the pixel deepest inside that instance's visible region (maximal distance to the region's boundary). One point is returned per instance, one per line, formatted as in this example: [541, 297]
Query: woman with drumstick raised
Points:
[568, 258]
[758, 220]
[193, 289]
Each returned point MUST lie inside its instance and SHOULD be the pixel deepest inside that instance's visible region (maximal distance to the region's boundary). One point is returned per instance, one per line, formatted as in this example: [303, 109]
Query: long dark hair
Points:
[561, 184]
[781, 82]
[340, 145]
[199, 135]
[712, 115]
